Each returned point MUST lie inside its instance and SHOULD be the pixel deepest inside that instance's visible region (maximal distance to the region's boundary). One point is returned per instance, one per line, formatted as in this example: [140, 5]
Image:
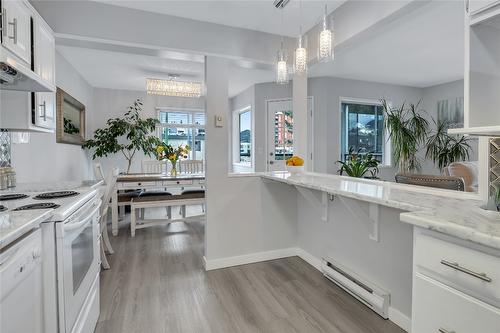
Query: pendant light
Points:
[325, 43]
[301, 51]
[281, 63]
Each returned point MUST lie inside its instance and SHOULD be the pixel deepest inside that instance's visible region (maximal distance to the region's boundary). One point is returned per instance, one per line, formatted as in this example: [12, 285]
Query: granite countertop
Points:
[450, 212]
[15, 224]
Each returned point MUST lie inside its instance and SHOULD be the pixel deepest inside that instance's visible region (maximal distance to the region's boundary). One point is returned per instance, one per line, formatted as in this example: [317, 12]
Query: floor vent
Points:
[372, 296]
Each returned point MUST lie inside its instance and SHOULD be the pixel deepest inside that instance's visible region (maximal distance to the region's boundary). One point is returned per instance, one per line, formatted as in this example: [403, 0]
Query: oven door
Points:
[78, 261]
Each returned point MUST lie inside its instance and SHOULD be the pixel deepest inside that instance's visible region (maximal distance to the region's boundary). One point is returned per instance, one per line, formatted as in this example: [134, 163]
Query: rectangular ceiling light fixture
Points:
[173, 87]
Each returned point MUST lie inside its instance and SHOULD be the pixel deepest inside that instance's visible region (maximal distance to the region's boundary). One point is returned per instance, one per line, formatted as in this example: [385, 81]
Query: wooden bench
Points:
[141, 203]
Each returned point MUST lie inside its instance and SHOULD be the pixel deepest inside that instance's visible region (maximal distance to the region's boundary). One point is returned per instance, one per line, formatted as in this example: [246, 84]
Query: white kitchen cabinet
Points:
[439, 308]
[455, 285]
[16, 28]
[43, 108]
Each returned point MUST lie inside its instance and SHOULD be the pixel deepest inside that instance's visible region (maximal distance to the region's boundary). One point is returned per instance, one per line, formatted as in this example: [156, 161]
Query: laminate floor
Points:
[157, 284]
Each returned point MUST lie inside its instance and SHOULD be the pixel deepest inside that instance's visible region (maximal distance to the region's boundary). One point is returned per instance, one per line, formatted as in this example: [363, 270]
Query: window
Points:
[283, 135]
[179, 127]
[242, 139]
[363, 129]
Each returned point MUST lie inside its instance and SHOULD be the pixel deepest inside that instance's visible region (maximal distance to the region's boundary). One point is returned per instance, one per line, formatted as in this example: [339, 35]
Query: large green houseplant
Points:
[358, 164]
[444, 149]
[127, 135]
[407, 130]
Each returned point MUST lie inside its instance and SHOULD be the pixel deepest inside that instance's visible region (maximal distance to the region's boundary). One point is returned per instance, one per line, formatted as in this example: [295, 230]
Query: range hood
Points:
[16, 75]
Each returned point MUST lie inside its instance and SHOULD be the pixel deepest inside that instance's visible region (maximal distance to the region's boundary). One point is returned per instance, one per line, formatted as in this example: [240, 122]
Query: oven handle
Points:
[74, 226]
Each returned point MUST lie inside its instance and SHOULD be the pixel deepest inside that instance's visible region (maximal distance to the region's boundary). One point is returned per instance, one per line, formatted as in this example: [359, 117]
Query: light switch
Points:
[219, 121]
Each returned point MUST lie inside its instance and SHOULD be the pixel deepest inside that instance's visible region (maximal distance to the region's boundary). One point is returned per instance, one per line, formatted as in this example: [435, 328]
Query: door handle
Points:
[454, 265]
[14, 30]
[4, 22]
[271, 162]
[44, 107]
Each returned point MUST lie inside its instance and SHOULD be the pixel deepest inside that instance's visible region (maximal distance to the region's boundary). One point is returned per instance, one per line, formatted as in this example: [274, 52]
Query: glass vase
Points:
[173, 171]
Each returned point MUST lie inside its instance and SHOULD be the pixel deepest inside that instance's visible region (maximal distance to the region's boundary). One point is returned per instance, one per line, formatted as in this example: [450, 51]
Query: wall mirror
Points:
[70, 126]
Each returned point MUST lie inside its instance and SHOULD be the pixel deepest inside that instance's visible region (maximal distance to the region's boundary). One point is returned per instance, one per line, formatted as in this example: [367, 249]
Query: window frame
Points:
[386, 147]
[235, 140]
[161, 126]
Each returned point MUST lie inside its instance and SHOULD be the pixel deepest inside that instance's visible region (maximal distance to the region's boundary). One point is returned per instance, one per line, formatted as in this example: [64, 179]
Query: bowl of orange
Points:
[295, 165]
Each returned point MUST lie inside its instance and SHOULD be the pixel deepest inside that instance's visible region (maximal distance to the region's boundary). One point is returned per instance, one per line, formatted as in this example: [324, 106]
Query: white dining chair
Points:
[191, 166]
[153, 166]
[105, 243]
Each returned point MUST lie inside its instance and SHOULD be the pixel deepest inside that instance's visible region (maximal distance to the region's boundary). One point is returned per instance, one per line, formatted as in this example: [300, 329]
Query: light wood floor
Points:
[157, 283]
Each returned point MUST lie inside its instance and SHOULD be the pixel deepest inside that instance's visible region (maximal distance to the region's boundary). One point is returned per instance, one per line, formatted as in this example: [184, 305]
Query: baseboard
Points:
[400, 319]
[396, 316]
[249, 258]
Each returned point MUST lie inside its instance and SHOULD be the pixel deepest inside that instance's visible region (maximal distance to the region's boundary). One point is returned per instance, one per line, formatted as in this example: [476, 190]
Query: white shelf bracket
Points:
[321, 203]
[373, 216]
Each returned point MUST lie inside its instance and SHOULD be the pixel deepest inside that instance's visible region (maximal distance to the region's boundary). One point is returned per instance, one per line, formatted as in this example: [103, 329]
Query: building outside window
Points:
[242, 140]
[363, 129]
[283, 135]
[179, 127]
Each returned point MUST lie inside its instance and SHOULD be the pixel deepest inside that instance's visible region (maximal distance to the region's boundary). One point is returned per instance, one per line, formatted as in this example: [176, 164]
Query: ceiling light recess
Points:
[173, 87]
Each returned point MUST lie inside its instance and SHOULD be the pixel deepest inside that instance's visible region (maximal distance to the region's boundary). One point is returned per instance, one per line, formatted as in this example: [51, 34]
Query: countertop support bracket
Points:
[373, 215]
[320, 203]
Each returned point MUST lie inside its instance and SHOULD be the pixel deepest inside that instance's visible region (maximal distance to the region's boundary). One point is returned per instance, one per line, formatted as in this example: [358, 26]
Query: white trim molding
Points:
[211, 264]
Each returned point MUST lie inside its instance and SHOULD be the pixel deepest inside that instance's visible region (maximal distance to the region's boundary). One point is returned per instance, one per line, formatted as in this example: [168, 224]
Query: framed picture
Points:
[451, 111]
[70, 126]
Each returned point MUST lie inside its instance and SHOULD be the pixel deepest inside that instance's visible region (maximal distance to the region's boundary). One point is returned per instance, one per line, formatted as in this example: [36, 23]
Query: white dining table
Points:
[143, 181]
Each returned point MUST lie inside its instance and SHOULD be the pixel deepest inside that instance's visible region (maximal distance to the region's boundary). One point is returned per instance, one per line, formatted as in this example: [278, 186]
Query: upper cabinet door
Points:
[16, 29]
[44, 52]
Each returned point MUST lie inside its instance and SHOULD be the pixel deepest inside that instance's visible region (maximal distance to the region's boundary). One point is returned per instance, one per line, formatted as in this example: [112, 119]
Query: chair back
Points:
[468, 171]
[191, 166]
[110, 185]
[443, 182]
[152, 166]
[98, 173]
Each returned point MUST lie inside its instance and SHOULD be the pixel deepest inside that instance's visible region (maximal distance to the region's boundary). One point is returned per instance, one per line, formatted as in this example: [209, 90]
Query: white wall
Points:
[110, 103]
[44, 160]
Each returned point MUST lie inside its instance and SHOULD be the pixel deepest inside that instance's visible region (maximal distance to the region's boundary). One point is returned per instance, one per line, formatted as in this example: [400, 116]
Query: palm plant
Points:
[358, 164]
[444, 149]
[408, 131]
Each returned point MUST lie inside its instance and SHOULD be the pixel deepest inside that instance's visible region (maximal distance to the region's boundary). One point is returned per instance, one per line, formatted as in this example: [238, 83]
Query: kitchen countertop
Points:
[450, 212]
[15, 224]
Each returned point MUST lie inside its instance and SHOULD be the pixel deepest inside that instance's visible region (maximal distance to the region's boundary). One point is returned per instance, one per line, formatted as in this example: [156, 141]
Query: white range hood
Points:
[15, 75]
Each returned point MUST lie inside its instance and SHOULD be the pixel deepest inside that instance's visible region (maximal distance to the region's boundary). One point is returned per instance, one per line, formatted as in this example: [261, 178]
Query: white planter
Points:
[295, 169]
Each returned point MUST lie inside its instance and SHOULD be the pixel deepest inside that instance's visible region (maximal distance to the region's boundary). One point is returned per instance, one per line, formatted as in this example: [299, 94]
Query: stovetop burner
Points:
[5, 197]
[3, 208]
[55, 195]
[41, 205]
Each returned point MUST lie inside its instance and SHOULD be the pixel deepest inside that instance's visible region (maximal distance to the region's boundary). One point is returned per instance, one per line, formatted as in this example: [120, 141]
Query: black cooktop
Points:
[3, 208]
[41, 205]
[5, 197]
[55, 195]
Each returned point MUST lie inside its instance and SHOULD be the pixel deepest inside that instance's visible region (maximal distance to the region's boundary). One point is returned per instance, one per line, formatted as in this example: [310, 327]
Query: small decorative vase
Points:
[173, 171]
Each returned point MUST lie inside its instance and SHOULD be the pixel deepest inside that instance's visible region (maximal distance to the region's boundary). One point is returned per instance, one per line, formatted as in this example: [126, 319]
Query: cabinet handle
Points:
[44, 106]
[14, 30]
[442, 330]
[454, 265]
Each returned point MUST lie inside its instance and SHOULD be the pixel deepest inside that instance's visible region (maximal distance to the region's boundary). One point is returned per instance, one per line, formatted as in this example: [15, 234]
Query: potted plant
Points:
[127, 135]
[408, 131]
[444, 149]
[359, 164]
[169, 153]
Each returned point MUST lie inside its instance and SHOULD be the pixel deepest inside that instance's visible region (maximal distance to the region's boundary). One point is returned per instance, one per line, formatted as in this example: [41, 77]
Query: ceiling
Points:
[259, 15]
[421, 49]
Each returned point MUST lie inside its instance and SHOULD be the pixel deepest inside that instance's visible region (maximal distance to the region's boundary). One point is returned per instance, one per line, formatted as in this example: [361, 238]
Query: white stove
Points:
[70, 256]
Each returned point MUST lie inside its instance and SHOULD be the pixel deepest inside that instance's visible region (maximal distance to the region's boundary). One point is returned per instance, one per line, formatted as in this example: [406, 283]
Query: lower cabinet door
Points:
[438, 308]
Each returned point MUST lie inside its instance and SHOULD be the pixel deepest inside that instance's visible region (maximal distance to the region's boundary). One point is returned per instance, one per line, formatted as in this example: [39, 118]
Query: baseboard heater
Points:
[367, 293]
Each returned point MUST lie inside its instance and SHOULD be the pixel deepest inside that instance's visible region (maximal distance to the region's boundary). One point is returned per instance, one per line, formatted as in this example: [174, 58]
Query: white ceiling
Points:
[423, 48]
[258, 15]
[420, 49]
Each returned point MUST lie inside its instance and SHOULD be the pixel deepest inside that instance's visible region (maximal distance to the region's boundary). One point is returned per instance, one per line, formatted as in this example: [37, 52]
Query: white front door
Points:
[280, 133]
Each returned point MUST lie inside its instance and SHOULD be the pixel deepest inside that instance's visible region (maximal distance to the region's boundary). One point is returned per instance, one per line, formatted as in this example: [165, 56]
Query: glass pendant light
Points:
[301, 51]
[281, 63]
[300, 56]
[325, 43]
